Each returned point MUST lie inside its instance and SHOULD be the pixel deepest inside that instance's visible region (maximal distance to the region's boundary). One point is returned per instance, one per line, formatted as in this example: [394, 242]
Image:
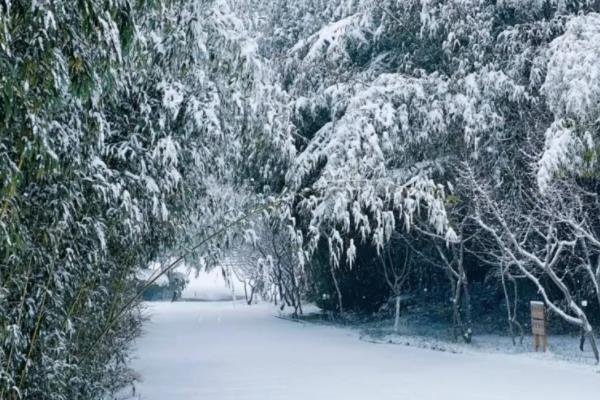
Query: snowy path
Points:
[213, 351]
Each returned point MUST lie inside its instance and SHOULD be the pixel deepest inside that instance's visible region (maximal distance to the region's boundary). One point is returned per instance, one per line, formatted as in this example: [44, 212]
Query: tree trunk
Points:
[337, 289]
[467, 330]
[455, 294]
[508, 306]
[456, 310]
[397, 318]
[467, 327]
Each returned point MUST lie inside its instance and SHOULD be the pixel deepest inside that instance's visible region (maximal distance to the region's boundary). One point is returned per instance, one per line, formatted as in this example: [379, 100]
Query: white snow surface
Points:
[226, 351]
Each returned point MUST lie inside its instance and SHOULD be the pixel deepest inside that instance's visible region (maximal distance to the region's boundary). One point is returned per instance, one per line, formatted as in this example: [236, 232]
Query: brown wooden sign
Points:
[538, 327]
[538, 324]
[538, 310]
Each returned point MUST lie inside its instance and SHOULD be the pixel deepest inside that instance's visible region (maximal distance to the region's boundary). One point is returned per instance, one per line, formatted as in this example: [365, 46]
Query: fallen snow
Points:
[222, 351]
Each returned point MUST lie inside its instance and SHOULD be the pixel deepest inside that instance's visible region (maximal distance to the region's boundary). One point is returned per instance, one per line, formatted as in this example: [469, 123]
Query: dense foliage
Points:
[123, 124]
[443, 146]
[358, 151]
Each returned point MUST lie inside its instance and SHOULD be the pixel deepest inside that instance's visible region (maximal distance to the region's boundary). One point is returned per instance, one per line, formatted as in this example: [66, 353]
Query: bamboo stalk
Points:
[13, 188]
[21, 306]
[36, 330]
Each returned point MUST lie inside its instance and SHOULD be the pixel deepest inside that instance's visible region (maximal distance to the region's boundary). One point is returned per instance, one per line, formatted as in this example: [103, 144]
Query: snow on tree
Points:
[122, 125]
[572, 92]
[323, 134]
[394, 101]
[363, 160]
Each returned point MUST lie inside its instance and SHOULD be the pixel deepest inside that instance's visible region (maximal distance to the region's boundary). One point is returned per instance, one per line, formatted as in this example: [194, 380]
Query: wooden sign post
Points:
[538, 325]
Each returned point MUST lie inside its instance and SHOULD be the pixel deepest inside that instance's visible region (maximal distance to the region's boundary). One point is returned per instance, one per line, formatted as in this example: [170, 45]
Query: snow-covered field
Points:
[218, 351]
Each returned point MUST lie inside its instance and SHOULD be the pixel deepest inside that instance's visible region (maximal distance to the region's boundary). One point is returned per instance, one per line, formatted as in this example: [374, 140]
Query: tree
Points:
[123, 129]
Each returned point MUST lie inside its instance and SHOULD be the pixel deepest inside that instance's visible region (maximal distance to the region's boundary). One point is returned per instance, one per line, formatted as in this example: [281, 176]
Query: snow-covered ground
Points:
[222, 351]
